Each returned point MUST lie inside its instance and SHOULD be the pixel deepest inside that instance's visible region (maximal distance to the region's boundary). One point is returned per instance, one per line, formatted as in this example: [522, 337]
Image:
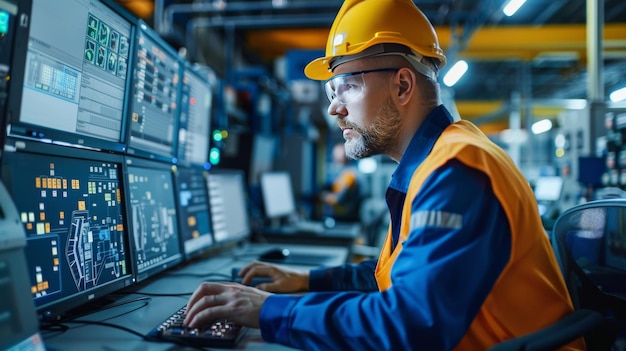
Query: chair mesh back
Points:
[590, 245]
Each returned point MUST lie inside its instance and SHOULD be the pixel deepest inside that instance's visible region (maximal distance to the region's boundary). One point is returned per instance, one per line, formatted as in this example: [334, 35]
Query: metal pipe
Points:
[212, 8]
[595, 61]
[595, 24]
[157, 16]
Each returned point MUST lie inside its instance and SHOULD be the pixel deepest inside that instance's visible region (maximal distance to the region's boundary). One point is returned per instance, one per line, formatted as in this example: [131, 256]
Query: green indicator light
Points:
[4, 22]
[214, 156]
[217, 135]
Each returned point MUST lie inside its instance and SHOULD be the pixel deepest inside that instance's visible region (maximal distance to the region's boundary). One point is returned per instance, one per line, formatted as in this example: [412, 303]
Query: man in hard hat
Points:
[466, 263]
[342, 200]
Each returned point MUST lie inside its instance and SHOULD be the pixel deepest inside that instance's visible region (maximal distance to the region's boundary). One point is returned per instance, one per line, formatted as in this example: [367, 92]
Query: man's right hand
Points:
[284, 280]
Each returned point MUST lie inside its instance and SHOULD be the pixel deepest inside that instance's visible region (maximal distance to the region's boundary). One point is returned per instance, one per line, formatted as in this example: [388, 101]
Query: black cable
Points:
[199, 275]
[134, 332]
[60, 328]
[160, 294]
[126, 302]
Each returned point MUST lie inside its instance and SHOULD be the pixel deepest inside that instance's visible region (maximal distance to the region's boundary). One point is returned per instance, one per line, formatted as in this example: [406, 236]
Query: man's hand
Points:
[238, 303]
[284, 280]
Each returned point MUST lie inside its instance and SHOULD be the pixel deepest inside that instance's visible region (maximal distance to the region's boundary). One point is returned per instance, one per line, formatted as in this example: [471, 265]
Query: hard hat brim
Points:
[318, 69]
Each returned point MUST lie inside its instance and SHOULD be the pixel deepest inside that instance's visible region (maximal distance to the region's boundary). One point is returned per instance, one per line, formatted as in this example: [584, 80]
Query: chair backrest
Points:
[589, 241]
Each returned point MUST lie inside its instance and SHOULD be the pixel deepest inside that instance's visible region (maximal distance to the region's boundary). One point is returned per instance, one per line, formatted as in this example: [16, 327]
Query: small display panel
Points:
[74, 219]
[548, 188]
[196, 110]
[193, 210]
[76, 75]
[228, 204]
[277, 193]
[152, 212]
[155, 88]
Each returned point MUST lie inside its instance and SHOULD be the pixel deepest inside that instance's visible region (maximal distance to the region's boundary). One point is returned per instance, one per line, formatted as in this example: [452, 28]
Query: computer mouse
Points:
[274, 255]
[329, 222]
[254, 282]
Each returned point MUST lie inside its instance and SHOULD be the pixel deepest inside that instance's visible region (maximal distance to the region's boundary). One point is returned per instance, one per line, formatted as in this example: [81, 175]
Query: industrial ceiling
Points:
[540, 52]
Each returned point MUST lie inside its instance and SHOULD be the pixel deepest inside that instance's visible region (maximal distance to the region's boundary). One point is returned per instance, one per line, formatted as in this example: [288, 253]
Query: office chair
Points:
[589, 241]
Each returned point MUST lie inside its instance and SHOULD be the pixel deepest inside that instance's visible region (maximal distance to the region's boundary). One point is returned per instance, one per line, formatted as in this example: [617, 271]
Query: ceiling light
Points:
[455, 73]
[514, 136]
[279, 4]
[618, 95]
[512, 6]
[541, 126]
[367, 165]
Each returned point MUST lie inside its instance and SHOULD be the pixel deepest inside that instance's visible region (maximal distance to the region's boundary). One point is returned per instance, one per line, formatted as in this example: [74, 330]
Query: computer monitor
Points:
[590, 171]
[193, 210]
[70, 204]
[154, 105]
[278, 198]
[228, 204]
[548, 188]
[196, 112]
[155, 241]
[73, 84]
[263, 152]
[14, 35]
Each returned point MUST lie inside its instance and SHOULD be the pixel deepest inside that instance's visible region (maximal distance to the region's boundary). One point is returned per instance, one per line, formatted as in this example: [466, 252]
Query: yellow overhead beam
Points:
[487, 43]
[472, 109]
[527, 42]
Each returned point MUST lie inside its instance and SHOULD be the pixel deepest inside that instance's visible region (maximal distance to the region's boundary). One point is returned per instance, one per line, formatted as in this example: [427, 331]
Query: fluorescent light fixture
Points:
[514, 136]
[541, 126]
[560, 141]
[618, 95]
[455, 73]
[367, 165]
[512, 6]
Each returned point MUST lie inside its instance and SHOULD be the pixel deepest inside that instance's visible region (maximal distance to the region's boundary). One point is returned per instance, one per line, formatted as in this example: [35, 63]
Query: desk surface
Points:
[144, 314]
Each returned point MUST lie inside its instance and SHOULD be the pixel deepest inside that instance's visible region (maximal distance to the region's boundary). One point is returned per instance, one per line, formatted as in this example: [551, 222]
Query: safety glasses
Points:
[348, 87]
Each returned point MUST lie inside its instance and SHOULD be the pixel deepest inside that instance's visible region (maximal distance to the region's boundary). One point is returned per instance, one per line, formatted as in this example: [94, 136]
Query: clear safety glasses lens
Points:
[348, 87]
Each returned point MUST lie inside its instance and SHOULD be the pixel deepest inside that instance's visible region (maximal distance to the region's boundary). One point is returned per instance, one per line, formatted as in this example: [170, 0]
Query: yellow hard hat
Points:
[361, 24]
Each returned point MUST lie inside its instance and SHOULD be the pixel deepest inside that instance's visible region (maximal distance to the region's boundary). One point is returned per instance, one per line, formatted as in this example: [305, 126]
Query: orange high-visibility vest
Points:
[530, 293]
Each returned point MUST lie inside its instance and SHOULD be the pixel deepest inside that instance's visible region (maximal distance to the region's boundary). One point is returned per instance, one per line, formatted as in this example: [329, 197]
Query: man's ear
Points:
[407, 82]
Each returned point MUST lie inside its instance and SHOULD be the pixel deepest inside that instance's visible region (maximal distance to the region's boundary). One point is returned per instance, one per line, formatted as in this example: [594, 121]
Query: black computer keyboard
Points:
[218, 333]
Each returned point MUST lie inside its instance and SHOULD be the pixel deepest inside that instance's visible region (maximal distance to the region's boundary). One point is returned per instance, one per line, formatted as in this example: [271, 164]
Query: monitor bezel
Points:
[59, 309]
[143, 274]
[18, 129]
[148, 153]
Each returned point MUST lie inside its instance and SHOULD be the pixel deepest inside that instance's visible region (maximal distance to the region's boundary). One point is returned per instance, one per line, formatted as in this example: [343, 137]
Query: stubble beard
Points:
[380, 137]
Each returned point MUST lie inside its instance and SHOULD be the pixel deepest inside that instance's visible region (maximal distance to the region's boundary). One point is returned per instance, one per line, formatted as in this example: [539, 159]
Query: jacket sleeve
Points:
[440, 280]
[345, 277]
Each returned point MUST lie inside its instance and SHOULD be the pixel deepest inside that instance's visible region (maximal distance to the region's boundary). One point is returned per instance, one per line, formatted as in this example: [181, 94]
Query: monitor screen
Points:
[154, 109]
[277, 193]
[193, 210]
[548, 189]
[73, 90]
[152, 217]
[590, 171]
[194, 130]
[72, 211]
[262, 156]
[228, 205]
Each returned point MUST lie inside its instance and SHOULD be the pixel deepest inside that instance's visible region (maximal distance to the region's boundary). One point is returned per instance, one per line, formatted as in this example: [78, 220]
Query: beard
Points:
[378, 138]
